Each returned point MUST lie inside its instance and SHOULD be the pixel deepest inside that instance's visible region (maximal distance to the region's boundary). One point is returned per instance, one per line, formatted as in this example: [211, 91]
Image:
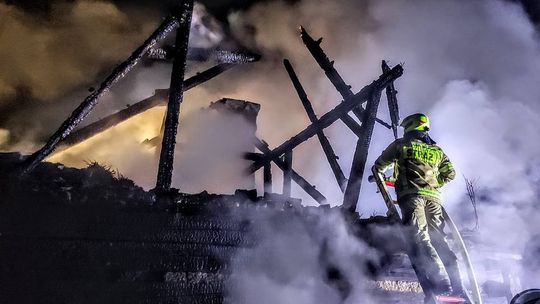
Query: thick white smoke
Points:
[34, 53]
[439, 51]
[471, 65]
[289, 264]
[49, 62]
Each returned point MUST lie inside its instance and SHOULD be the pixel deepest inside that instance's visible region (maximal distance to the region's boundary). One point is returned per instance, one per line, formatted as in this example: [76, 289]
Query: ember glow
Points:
[127, 136]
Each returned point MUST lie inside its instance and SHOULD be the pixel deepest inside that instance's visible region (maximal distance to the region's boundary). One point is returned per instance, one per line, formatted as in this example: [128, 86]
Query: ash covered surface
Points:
[90, 236]
[58, 184]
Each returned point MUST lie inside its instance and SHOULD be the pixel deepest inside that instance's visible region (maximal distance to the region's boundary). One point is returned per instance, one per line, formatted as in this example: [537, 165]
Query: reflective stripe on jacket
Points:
[419, 168]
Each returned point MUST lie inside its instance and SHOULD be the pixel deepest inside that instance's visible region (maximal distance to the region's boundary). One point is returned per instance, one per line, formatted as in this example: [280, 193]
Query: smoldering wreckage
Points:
[93, 236]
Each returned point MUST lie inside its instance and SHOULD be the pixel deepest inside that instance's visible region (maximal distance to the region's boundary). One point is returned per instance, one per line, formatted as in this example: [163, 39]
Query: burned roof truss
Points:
[370, 95]
[282, 155]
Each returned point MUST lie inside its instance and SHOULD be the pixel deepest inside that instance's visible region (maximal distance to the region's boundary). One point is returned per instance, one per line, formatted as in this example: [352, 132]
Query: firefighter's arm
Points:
[446, 171]
[387, 158]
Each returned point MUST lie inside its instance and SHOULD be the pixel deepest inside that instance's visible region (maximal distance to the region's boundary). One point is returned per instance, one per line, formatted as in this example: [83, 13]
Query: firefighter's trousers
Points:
[424, 222]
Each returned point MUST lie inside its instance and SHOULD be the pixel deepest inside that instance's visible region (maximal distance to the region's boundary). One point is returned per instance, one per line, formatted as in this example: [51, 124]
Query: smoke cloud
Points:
[36, 56]
[287, 265]
[472, 66]
[439, 53]
[49, 61]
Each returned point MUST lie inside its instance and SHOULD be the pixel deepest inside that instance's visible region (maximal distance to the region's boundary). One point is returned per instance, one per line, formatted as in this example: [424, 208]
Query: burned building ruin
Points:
[92, 236]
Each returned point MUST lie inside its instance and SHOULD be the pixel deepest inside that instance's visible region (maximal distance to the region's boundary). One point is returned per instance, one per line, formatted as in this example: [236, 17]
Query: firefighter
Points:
[421, 168]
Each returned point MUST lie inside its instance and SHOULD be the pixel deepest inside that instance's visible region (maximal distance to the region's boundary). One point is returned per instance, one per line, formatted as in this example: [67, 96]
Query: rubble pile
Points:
[52, 183]
[90, 236]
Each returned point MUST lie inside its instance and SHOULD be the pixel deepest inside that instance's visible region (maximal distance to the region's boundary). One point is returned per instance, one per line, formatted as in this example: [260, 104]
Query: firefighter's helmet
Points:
[415, 122]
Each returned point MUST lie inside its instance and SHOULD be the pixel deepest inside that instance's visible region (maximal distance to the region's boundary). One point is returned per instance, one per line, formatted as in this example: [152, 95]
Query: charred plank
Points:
[360, 155]
[267, 177]
[391, 96]
[310, 189]
[329, 118]
[92, 100]
[325, 144]
[201, 54]
[176, 95]
[287, 173]
[157, 100]
[332, 74]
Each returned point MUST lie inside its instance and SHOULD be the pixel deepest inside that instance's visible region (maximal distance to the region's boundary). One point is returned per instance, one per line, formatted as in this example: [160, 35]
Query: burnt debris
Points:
[158, 99]
[371, 92]
[176, 95]
[70, 233]
[282, 155]
[360, 155]
[325, 144]
[391, 96]
[199, 54]
[92, 100]
[352, 102]
[249, 110]
[181, 15]
[332, 74]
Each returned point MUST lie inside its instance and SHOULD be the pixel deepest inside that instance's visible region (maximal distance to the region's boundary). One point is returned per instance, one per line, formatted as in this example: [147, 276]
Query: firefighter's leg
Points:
[414, 218]
[438, 239]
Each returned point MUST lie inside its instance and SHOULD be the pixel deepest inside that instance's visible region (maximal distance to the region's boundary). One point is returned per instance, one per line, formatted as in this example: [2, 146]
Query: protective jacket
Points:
[420, 166]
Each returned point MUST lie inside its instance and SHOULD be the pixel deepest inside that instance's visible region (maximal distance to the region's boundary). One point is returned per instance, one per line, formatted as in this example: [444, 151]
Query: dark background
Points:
[219, 8]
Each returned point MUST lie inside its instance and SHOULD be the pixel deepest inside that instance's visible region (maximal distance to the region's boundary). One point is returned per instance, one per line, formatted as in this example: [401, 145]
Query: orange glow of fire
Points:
[118, 145]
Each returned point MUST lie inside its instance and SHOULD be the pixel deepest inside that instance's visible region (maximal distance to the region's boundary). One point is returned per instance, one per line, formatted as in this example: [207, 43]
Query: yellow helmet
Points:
[415, 122]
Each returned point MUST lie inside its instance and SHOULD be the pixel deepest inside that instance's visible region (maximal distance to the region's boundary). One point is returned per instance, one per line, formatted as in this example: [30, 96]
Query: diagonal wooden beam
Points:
[325, 144]
[298, 179]
[329, 118]
[158, 99]
[332, 74]
[80, 113]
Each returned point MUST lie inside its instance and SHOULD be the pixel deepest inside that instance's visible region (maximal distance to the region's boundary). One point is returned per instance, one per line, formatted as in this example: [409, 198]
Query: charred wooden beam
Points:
[267, 178]
[176, 94]
[332, 74]
[325, 144]
[157, 100]
[329, 118]
[391, 96]
[287, 173]
[253, 156]
[298, 179]
[92, 100]
[325, 63]
[246, 109]
[201, 54]
[354, 186]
